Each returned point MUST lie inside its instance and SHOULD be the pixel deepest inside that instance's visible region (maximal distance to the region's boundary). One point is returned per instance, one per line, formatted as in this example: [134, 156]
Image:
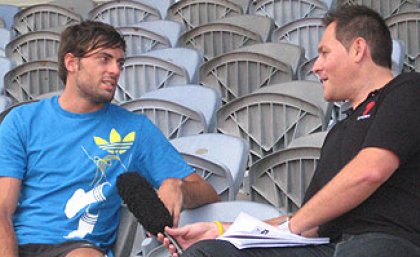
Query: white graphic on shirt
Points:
[81, 200]
[86, 224]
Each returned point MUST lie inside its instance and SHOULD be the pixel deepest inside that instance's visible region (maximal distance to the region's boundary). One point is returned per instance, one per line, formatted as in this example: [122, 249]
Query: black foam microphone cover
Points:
[142, 200]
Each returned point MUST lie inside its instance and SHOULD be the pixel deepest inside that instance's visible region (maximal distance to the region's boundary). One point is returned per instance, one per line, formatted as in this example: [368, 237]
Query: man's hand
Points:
[172, 196]
[189, 234]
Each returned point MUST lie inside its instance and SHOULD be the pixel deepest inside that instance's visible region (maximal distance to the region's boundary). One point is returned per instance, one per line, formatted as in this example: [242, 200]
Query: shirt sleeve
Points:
[158, 159]
[397, 124]
[12, 147]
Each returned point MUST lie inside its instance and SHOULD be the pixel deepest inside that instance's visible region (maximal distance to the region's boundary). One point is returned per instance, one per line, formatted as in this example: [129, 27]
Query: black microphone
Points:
[142, 200]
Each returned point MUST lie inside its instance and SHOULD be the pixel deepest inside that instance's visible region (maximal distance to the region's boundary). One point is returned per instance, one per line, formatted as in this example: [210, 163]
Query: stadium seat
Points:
[126, 233]
[242, 71]
[176, 112]
[281, 178]
[5, 37]
[43, 17]
[29, 80]
[306, 32]
[170, 29]
[285, 11]
[5, 66]
[224, 35]
[194, 13]
[123, 13]
[220, 159]
[140, 40]
[34, 46]
[406, 27]
[273, 116]
[384, 7]
[157, 69]
[81, 7]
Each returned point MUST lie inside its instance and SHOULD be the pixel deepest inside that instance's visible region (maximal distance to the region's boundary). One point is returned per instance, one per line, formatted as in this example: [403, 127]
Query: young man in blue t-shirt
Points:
[60, 157]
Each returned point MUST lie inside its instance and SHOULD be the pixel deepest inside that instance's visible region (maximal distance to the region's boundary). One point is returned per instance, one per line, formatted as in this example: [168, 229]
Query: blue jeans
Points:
[365, 245]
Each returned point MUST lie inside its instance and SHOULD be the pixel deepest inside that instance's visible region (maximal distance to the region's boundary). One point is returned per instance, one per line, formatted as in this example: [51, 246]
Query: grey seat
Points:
[224, 211]
[281, 178]
[170, 29]
[384, 7]
[287, 111]
[306, 32]
[175, 112]
[34, 46]
[157, 69]
[285, 11]
[220, 159]
[140, 40]
[126, 233]
[123, 13]
[81, 7]
[5, 37]
[242, 71]
[42, 17]
[224, 35]
[29, 80]
[5, 66]
[406, 27]
[194, 13]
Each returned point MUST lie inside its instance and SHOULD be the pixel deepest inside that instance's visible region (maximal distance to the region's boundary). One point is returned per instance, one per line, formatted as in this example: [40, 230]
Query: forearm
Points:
[197, 193]
[8, 246]
[349, 188]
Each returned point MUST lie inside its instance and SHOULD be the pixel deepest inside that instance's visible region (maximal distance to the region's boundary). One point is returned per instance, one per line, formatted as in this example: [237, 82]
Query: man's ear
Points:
[71, 62]
[359, 49]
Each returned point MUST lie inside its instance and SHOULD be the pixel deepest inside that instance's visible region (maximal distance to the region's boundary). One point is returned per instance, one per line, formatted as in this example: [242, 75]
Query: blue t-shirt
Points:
[68, 164]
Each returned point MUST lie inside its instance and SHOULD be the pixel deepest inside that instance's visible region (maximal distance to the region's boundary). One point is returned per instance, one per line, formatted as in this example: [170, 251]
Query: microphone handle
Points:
[174, 242]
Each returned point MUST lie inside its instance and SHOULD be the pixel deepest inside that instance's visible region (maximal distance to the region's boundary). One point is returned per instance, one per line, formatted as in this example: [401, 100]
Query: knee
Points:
[210, 248]
[85, 252]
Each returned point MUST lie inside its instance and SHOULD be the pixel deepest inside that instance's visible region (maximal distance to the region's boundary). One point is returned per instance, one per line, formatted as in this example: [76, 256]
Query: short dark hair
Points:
[84, 37]
[354, 21]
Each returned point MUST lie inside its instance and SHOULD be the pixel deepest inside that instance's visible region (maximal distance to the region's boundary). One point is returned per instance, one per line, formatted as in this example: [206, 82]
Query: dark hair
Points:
[354, 21]
[84, 37]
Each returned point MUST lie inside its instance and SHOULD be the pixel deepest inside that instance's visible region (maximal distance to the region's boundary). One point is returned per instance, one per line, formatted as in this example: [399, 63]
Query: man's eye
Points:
[103, 59]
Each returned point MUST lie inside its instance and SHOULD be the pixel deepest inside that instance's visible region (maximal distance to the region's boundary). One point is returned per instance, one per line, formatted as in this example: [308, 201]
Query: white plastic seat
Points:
[34, 46]
[306, 32]
[29, 80]
[42, 17]
[242, 71]
[224, 35]
[285, 11]
[385, 8]
[224, 211]
[123, 13]
[406, 27]
[161, 5]
[7, 12]
[305, 70]
[281, 178]
[271, 117]
[175, 112]
[220, 159]
[170, 29]
[194, 13]
[81, 7]
[157, 69]
[139, 40]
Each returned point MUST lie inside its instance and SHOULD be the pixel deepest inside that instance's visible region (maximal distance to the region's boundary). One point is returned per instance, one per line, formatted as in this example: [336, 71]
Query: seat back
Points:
[219, 159]
[406, 27]
[126, 233]
[285, 11]
[170, 29]
[123, 13]
[194, 13]
[34, 46]
[139, 40]
[81, 7]
[43, 17]
[5, 67]
[281, 178]
[273, 116]
[29, 80]
[146, 73]
[7, 13]
[306, 32]
[239, 73]
[384, 7]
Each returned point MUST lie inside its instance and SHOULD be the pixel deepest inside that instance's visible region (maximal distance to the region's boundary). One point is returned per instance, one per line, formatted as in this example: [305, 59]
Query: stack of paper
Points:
[249, 232]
